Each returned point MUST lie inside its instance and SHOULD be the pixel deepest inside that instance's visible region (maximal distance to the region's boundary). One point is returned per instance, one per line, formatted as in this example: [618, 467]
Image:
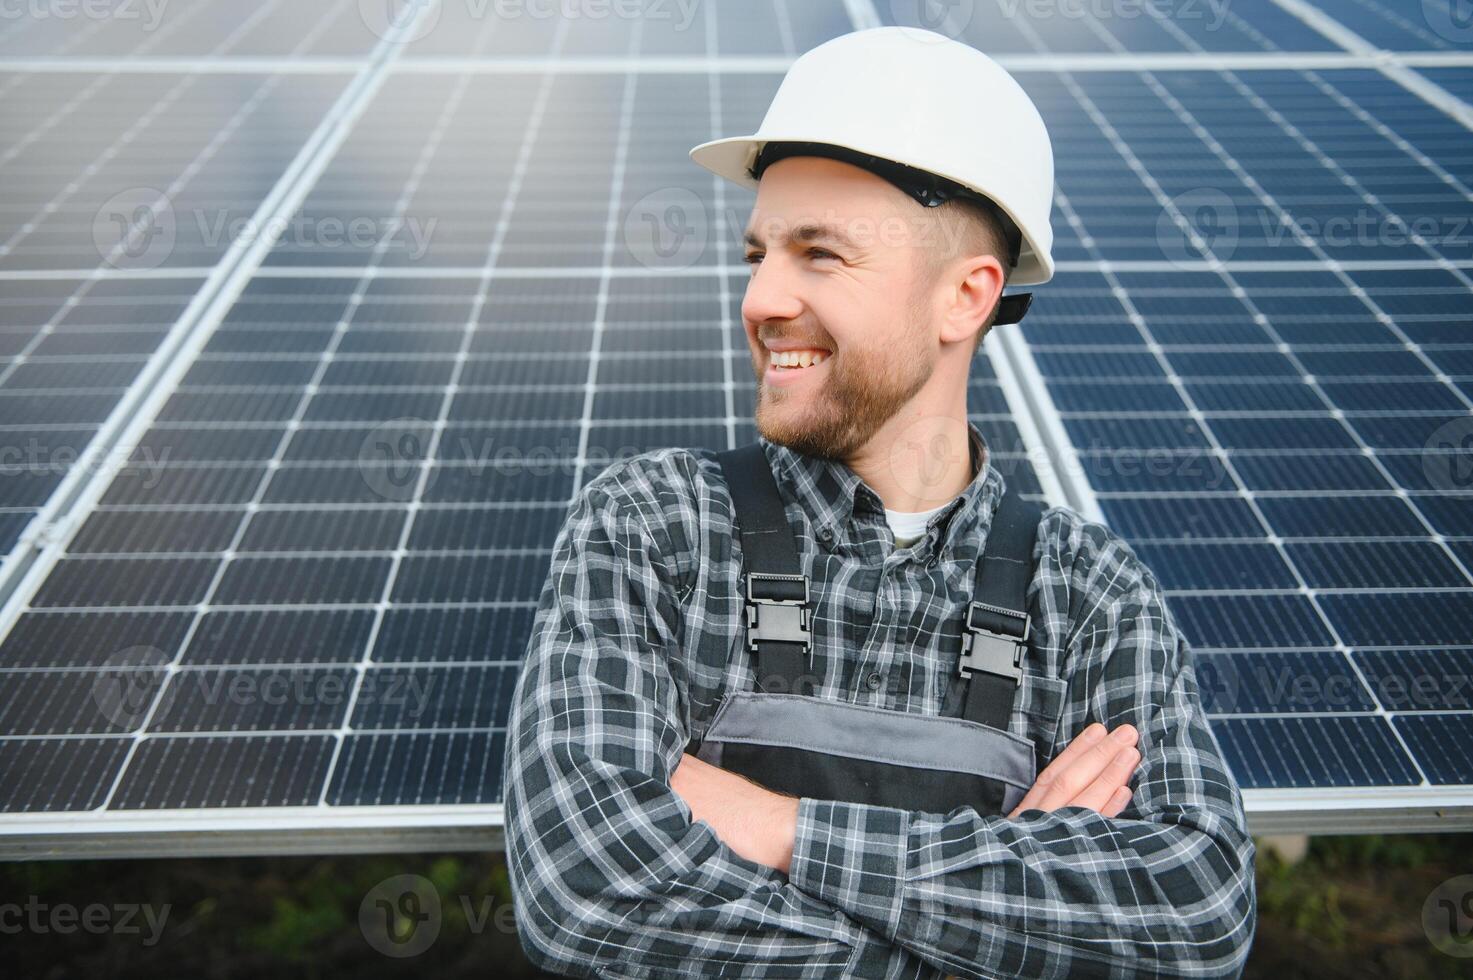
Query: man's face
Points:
[858, 296]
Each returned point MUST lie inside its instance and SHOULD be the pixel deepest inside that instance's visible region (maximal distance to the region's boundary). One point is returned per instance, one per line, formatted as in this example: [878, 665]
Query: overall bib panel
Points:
[854, 753]
[812, 747]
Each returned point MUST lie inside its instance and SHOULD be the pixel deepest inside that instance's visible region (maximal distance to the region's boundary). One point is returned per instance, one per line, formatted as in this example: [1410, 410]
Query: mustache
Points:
[821, 345]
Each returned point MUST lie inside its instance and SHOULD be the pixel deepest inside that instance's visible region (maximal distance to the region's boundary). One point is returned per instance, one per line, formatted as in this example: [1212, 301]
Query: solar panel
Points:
[120, 29]
[1432, 26]
[106, 175]
[664, 29]
[1458, 81]
[71, 348]
[1280, 446]
[299, 609]
[1009, 28]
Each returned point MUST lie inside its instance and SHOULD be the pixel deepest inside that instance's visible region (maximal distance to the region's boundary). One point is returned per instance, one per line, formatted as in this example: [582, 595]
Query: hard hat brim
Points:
[732, 157]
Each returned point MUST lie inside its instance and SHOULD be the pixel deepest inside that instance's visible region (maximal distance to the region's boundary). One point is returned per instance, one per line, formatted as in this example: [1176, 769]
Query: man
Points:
[672, 811]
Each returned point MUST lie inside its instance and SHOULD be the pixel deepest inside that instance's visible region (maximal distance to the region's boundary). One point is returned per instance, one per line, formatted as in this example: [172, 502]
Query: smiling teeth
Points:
[798, 358]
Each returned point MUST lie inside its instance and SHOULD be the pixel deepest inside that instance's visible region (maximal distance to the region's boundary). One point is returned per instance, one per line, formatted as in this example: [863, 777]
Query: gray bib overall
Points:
[787, 739]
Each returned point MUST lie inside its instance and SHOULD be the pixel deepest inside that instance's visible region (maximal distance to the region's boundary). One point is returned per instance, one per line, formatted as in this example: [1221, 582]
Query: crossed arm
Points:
[760, 825]
[618, 873]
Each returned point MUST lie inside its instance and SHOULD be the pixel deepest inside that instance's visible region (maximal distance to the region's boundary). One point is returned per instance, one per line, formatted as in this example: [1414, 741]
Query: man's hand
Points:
[752, 820]
[760, 825]
[1094, 771]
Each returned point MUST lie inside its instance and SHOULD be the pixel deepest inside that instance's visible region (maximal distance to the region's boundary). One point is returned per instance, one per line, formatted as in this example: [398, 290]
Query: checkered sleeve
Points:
[1164, 889]
[610, 876]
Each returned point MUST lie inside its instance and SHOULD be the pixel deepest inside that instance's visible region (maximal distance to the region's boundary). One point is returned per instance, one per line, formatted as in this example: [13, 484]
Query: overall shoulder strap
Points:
[995, 630]
[775, 590]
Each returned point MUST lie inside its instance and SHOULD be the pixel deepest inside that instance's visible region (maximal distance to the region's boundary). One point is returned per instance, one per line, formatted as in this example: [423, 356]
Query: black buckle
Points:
[991, 652]
[779, 620]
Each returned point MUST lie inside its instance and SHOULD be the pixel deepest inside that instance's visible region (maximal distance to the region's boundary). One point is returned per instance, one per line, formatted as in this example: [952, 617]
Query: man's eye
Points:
[752, 258]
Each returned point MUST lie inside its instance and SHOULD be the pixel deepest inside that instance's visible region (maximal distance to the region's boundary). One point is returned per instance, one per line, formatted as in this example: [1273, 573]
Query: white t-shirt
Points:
[909, 527]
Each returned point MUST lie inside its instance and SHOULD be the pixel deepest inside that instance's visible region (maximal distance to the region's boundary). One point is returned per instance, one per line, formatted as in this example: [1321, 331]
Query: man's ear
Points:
[973, 287]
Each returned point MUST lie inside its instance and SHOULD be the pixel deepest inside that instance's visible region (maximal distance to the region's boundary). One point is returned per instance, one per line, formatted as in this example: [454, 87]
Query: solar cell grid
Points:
[1257, 345]
[192, 28]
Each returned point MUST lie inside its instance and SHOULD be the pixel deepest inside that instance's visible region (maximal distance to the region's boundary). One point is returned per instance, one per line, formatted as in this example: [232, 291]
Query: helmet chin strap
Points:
[925, 188]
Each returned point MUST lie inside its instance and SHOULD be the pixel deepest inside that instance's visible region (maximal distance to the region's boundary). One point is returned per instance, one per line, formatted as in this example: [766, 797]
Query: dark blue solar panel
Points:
[1333, 532]
[321, 501]
[207, 28]
[1281, 682]
[1443, 741]
[1458, 81]
[1239, 565]
[50, 774]
[1438, 679]
[234, 771]
[1432, 26]
[1181, 26]
[1228, 622]
[447, 767]
[1343, 750]
[257, 543]
[1182, 518]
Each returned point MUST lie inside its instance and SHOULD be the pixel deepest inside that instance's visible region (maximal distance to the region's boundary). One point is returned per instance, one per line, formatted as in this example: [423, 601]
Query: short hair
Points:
[967, 227]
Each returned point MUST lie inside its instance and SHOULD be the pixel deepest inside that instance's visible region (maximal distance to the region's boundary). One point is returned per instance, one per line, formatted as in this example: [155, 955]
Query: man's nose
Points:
[772, 293]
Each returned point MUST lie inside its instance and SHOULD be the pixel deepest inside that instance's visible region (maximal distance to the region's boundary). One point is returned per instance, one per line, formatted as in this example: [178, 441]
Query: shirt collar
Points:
[833, 495]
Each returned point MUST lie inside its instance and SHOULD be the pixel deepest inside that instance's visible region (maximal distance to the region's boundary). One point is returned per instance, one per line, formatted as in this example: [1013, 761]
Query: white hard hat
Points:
[935, 106]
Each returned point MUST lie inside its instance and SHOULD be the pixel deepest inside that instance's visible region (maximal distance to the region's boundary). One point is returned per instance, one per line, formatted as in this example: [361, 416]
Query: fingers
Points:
[1106, 786]
[1076, 768]
[1081, 744]
[1117, 802]
[1087, 767]
[1085, 740]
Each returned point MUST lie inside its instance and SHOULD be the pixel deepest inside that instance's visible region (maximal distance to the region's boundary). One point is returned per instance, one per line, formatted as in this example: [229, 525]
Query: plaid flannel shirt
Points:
[639, 631]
